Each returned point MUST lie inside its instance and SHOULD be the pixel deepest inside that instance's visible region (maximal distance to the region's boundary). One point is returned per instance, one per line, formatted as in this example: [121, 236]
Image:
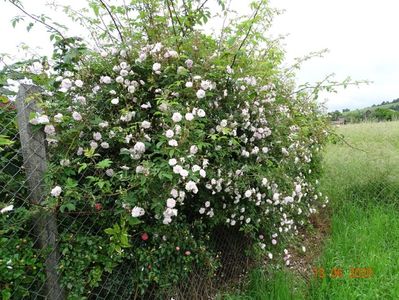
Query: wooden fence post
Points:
[33, 146]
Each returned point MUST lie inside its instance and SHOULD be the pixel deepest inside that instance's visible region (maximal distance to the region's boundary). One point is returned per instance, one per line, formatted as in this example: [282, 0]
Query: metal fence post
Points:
[33, 146]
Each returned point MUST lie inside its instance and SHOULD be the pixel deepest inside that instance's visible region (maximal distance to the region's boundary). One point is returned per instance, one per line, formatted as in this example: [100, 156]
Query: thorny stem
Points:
[177, 18]
[202, 5]
[173, 23]
[113, 20]
[346, 142]
[112, 38]
[52, 28]
[247, 34]
[223, 26]
[317, 86]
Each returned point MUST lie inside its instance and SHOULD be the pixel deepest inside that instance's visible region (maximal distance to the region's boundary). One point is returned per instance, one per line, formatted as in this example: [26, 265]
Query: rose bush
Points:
[155, 143]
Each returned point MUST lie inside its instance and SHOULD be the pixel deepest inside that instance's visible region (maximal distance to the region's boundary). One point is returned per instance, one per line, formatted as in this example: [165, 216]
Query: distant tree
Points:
[335, 115]
[395, 107]
[384, 114]
[346, 110]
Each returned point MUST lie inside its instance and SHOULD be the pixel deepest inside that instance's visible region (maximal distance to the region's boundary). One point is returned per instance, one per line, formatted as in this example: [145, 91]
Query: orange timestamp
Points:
[336, 272]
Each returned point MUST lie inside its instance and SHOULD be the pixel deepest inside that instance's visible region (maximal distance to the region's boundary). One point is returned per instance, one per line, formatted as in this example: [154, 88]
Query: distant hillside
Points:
[385, 111]
[394, 104]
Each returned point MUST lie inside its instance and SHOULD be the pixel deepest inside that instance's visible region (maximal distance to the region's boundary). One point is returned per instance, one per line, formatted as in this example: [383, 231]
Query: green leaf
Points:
[4, 141]
[29, 27]
[82, 167]
[165, 175]
[6, 294]
[133, 221]
[89, 152]
[109, 231]
[95, 8]
[71, 183]
[106, 163]
[124, 241]
[69, 206]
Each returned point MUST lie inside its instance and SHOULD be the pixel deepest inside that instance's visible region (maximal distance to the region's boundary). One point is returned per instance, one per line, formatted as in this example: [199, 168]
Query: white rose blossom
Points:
[171, 203]
[7, 209]
[191, 187]
[174, 193]
[156, 67]
[201, 113]
[76, 116]
[200, 94]
[131, 89]
[93, 145]
[195, 168]
[176, 117]
[189, 116]
[139, 147]
[79, 151]
[109, 172]
[169, 133]
[189, 63]
[56, 191]
[193, 149]
[172, 143]
[40, 119]
[58, 118]
[49, 129]
[172, 162]
[145, 124]
[177, 169]
[79, 83]
[104, 145]
[66, 84]
[137, 212]
[183, 173]
[103, 124]
[105, 79]
[36, 68]
[97, 136]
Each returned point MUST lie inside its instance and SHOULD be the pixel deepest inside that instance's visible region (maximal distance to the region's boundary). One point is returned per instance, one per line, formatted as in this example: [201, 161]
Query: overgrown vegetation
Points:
[159, 133]
[363, 188]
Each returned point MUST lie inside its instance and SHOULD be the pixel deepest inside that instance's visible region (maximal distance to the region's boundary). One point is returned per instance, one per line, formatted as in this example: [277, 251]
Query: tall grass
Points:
[364, 191]
[270, 285]
[362, 181]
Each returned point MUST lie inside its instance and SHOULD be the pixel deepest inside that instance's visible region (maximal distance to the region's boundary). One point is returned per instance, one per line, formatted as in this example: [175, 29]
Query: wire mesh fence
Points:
[37, 243]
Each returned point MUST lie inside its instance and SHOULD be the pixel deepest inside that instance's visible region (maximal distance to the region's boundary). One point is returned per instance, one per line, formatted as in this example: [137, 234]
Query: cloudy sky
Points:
[361, 36]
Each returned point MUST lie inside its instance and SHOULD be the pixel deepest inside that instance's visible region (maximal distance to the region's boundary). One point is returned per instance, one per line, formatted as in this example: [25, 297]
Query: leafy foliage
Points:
[156, 142]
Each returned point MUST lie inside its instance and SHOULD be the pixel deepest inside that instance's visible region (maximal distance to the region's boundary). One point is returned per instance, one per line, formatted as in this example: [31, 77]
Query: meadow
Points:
[359, 259]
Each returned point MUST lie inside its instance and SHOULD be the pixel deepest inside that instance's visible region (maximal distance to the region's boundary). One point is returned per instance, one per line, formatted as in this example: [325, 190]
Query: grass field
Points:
[362, 182]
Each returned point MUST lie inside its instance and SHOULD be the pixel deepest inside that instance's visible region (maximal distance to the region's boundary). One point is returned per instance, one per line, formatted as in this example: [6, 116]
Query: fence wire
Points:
[32, 235]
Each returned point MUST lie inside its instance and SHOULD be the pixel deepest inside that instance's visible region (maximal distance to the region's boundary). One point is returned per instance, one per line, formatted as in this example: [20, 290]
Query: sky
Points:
[361, 36]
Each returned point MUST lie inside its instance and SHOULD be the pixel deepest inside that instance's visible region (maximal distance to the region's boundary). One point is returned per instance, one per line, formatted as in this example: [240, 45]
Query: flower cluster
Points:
[167, 141]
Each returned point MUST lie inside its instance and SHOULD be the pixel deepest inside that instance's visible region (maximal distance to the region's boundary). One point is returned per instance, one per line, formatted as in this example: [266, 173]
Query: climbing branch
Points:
[33, 17]
[113, 19]
[247, 34]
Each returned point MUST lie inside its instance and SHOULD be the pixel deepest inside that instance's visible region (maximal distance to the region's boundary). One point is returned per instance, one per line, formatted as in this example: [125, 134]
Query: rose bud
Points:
[144, 236]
